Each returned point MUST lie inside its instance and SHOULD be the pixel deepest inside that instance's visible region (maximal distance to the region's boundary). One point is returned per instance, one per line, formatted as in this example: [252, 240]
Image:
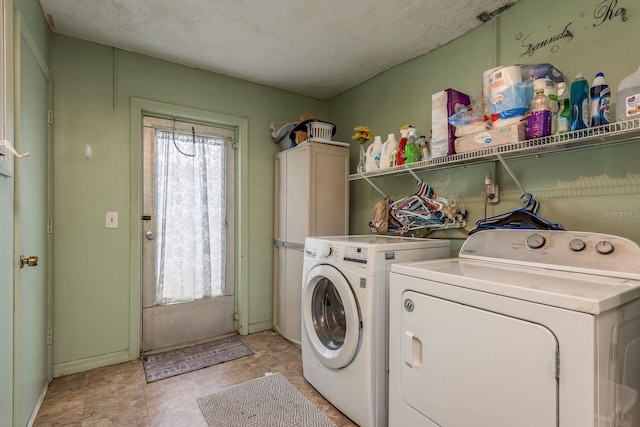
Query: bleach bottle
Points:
[600, 100]
[389, 151]
[579, 99]
[373, 155]
[628, 97]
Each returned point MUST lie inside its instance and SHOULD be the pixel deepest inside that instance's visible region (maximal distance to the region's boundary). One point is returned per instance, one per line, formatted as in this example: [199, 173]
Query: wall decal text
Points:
[607, 10]
[532, 48]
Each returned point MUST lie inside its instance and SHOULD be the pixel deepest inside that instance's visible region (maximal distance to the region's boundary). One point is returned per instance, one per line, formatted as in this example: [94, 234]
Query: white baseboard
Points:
[34, 415]
[260, 326]
[81, 365]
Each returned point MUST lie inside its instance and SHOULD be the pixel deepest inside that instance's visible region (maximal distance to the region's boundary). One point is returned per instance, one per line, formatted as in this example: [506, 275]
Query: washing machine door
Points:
[331, 317]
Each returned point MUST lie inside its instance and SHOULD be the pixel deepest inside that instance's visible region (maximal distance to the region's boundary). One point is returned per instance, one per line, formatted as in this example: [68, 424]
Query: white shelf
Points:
[613, 133]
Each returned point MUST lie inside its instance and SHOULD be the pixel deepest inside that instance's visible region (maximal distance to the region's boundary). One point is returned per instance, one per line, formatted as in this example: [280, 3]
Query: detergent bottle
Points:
[389, 150]
[579, 99]
[373, 155]
[628, 97]
[564, 116]
[411, 153]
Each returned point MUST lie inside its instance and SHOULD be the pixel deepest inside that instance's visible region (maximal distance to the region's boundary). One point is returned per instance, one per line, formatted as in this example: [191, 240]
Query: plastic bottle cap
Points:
[579, 76]
[600, 74]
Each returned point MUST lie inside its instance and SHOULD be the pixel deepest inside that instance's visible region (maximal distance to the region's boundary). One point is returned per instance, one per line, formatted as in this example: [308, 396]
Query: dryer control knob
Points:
[536, 241]
[327, 251]
[577, 245]
[605, 248]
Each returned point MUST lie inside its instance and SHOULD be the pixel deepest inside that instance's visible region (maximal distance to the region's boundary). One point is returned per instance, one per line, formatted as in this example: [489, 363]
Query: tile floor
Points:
[119, 395]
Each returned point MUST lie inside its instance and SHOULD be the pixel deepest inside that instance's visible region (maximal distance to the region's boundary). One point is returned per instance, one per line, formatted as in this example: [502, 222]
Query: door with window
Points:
[188, 233]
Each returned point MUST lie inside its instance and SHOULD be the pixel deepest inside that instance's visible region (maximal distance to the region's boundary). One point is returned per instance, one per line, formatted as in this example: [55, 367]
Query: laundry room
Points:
[80, 234]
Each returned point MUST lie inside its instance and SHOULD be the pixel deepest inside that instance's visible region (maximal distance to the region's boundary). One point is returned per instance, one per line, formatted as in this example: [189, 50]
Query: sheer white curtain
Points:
[190, 217]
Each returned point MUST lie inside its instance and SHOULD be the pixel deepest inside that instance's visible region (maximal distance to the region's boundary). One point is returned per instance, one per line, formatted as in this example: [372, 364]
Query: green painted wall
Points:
[93, 86]
[594, 190]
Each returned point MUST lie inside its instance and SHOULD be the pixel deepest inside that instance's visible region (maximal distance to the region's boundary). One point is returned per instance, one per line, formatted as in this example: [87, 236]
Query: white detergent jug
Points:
[373, 155]
[389, 148]
[628, 97]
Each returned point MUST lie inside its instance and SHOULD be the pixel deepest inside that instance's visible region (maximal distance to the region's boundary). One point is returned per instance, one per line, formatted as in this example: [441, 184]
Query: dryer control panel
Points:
[594, 253]
[355, 254]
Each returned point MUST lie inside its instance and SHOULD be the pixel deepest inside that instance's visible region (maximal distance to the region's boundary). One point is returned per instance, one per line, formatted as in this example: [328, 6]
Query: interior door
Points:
[31, 366]
[188, 233]
[464, 366]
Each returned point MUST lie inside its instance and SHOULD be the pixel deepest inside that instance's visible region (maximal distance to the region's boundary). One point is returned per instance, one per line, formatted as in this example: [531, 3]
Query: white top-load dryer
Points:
[526, 328]
[345, 317]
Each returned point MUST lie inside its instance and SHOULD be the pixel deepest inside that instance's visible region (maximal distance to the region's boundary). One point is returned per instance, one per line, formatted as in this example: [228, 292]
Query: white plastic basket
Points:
[319, 131]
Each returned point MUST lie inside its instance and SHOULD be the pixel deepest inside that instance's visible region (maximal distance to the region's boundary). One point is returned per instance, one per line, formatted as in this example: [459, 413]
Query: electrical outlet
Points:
[493, 196]
[112, 220]
[491, 189]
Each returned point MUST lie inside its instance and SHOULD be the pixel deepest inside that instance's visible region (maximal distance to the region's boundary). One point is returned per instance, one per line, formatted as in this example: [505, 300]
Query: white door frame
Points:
[140, 107]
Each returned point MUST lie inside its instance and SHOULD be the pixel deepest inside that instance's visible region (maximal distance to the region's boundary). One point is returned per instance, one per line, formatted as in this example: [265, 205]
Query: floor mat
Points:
[180, 361]
[267, 401]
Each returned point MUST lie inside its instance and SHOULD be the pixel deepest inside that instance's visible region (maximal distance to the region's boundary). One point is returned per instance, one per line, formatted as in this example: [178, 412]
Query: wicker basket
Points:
[319, 131]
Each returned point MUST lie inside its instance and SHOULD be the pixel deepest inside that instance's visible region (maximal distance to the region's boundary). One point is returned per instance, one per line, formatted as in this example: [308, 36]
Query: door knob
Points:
[31, 261]
[150, 235]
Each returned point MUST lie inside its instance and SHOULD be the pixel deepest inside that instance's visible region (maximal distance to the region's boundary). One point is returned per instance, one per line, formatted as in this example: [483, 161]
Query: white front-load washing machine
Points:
[526, 328]
[345, 317]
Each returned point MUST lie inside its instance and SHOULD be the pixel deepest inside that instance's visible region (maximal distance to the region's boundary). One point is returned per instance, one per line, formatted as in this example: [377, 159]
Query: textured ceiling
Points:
[318, 48]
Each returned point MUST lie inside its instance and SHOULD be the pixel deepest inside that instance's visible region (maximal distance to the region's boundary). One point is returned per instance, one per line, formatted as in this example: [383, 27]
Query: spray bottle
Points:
[423, 148]
[404, 132]
[411, 153]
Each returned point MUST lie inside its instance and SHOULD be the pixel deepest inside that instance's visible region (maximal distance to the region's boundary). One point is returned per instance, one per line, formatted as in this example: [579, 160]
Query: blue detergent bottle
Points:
[600, 101]
[579, 97]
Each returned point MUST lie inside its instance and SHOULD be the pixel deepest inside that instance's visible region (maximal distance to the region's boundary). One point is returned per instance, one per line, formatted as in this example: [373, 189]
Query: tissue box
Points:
[444, 104]
[490, 138]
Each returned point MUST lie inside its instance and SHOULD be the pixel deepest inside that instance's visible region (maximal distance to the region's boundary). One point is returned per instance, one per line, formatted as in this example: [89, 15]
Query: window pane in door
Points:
[190, 214]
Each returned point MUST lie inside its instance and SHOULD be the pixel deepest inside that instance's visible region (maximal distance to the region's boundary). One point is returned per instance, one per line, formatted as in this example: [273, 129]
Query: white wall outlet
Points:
[112, 220]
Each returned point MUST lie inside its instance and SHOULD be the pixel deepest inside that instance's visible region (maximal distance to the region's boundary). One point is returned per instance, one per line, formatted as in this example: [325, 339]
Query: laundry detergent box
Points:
[490, 138]
[443, 105]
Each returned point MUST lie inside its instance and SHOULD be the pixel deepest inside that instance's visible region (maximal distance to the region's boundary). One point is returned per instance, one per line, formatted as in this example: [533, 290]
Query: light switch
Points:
[112, 220]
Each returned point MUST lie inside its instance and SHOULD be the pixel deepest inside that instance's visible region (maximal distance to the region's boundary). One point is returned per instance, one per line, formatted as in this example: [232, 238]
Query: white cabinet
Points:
[311, 199]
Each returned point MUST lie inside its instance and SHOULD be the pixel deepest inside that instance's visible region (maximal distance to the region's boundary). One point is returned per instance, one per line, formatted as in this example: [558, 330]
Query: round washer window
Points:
[328, 314]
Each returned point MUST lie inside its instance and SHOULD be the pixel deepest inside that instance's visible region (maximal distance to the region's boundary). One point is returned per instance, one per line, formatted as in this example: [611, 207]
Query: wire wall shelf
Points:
[605, 135]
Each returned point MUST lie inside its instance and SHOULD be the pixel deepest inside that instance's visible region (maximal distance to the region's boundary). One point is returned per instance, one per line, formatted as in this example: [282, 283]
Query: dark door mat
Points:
[183, 360]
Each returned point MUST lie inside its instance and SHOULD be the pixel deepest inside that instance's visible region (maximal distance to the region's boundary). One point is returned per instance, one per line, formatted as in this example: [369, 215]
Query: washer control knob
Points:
[603, 247]
[535, 241]
[327, 251]
[577, 245]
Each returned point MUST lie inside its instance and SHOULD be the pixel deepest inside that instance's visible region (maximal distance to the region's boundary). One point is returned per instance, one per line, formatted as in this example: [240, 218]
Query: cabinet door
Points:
[296, 202]
[329, 191]
[279, 288]
[287, 292]
[280, 197]
[294, 260]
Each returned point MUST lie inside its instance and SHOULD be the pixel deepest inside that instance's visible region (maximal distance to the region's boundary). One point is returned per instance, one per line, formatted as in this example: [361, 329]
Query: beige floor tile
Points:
[118, 395]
